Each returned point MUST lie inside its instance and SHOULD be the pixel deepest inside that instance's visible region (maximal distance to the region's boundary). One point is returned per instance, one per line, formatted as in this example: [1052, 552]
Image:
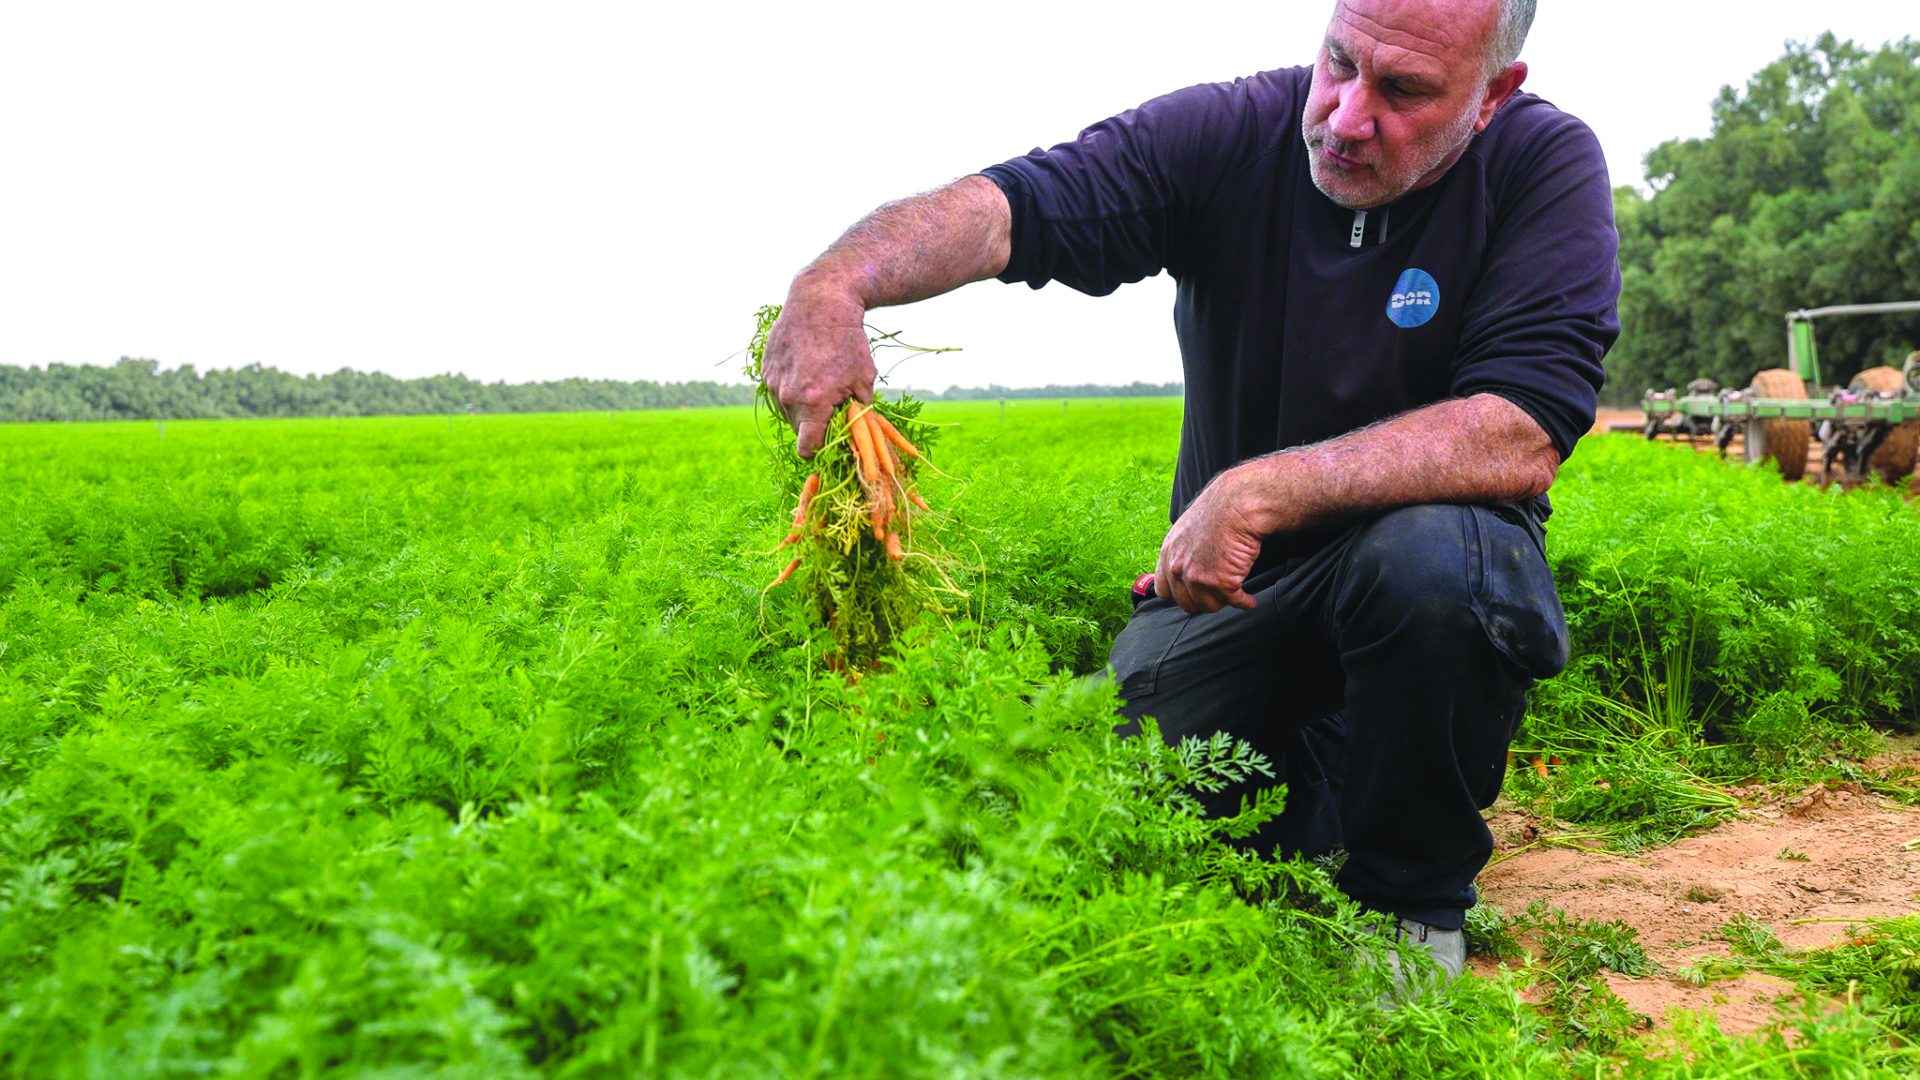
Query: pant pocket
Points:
[1143, 646]
[1513, 592]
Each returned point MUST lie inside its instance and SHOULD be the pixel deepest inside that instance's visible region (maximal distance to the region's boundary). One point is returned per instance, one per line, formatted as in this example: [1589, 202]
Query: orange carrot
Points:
[893, 436]
[889, 469]
[915, 499]
[893, 547]
[787, 573]
[882, 453]
[1540, 767]
[863, 449]
[807, 491]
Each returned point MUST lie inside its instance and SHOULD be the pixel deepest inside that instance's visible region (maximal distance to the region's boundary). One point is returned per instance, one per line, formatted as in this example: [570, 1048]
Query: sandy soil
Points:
[1855, 867]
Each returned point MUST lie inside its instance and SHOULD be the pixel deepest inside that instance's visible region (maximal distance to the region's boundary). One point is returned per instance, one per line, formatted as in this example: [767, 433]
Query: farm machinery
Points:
[1872, 425]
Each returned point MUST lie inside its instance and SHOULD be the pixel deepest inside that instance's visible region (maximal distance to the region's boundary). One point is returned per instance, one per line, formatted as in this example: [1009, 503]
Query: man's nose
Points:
[1352, 119]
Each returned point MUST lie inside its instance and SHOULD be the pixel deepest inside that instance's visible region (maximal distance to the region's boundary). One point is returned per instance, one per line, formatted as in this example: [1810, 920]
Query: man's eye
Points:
[1338, 62]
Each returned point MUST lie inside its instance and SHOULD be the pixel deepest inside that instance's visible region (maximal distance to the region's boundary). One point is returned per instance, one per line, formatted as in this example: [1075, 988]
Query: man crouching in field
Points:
[1397, 280]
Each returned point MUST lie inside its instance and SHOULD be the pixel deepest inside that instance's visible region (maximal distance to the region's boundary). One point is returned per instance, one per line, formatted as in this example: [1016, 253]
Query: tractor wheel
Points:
[1894, 458]
[1784, 441]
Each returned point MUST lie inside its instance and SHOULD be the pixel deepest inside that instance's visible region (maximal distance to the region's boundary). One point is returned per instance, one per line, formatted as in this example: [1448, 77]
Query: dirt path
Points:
[1792, 864]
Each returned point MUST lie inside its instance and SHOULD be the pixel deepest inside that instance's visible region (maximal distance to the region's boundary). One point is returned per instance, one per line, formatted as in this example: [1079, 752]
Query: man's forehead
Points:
[1430, 37]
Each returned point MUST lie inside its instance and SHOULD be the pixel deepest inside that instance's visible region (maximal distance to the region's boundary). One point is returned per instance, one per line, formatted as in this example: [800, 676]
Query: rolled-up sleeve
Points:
[1545, 310]
[1108, 208]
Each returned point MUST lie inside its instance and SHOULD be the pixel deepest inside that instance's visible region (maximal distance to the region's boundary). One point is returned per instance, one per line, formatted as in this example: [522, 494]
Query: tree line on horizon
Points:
[138, 389]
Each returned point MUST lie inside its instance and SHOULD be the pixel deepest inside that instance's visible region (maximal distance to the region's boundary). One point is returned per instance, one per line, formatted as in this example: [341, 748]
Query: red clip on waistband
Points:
[1143, 585]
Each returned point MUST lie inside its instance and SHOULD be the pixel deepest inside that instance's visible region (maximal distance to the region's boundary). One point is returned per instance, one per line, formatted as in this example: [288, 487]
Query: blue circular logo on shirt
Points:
[1415, 299]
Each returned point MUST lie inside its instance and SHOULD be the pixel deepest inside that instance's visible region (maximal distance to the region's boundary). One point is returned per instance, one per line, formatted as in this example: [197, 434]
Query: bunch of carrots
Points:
[865, 564]
[875, 444]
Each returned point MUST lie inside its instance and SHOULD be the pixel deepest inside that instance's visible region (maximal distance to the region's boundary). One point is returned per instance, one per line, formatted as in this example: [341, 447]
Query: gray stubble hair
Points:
[1509, 34]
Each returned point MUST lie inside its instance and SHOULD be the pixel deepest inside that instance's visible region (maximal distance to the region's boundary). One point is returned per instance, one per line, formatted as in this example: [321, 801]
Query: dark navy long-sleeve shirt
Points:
[1299, 320]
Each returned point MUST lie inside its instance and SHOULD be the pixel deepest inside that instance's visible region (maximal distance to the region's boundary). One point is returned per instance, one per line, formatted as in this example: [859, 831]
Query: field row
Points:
[475, 746]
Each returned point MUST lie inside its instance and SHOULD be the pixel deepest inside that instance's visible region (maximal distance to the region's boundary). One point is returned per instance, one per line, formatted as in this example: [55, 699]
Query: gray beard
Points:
[1452, 140]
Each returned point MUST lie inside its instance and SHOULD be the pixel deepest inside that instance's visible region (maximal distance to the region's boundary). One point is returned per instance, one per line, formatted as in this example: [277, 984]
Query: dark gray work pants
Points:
[1383, 676]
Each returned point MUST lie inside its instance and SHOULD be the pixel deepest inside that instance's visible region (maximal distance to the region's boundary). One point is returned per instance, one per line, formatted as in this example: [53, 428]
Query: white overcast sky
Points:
[524, 191]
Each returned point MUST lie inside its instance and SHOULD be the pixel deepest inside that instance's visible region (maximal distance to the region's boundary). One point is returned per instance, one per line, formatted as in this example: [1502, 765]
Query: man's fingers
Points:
[1197, 597]
[1179, 595]
[1192, 599]
[817, 358]
[810, 436]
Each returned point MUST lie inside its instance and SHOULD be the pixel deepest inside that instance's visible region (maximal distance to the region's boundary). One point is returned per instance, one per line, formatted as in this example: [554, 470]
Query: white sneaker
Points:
[1447, 949]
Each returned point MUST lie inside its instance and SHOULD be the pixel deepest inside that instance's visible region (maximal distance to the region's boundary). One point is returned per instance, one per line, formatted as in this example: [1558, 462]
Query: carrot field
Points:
[478, 746]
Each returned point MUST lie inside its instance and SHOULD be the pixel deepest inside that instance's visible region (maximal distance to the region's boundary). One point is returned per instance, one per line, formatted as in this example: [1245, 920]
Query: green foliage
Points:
[865, 589]
[1878, 964]
[1490, 933]
[459, 746]
[497, 774]
[1068, 501]
[1576, 949]
[1711, 600]
[1643, 798]
[1725, 627]
[1593, 1016]
[140, 390]
[1751, 938]
[1805, 195]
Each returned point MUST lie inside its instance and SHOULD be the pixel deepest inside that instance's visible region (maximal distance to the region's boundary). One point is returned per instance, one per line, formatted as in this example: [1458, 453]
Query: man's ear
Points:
[1499, 89]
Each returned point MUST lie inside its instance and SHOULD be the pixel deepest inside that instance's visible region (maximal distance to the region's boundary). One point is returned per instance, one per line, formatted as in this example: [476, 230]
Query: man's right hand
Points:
[1208, 553]
[817, 354]
[817, 357]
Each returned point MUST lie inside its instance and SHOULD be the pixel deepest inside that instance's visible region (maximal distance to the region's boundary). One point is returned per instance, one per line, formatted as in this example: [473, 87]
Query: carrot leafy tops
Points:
[867, 558]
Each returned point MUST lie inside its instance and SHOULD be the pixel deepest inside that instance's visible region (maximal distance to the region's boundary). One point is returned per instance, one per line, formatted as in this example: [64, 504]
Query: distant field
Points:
[472, 746]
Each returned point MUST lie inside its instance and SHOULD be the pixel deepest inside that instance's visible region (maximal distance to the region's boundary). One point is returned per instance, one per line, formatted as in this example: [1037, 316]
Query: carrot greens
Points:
[869, 560]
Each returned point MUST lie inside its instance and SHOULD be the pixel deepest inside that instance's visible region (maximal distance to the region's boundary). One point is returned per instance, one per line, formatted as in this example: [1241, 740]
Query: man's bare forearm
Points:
[917, 247]
[1481, 449]
[817, 354]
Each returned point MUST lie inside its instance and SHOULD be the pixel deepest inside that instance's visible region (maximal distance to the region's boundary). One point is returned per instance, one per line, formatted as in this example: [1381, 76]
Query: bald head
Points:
[1491, 31]
[1400, 88]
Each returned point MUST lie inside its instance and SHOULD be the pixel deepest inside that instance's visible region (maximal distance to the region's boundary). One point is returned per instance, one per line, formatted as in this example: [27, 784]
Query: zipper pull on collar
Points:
[1359, 233]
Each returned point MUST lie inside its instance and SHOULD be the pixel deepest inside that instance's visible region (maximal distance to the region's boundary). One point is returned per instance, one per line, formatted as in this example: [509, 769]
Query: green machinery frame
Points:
[1851, 422]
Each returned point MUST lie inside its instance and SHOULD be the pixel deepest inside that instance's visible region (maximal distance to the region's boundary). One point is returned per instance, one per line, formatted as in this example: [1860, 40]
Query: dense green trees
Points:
[138, 389]
[1807, 193]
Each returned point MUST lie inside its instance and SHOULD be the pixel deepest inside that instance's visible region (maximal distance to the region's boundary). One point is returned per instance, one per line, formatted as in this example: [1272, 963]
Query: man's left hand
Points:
[1207, 555]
